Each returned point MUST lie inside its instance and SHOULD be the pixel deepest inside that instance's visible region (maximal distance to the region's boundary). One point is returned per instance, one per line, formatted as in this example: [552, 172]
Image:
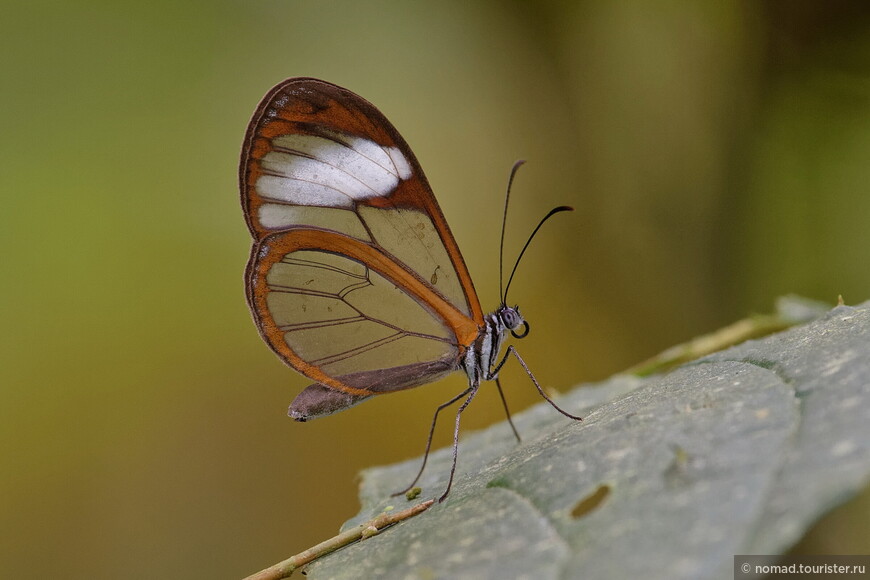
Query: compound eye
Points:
[510, 318]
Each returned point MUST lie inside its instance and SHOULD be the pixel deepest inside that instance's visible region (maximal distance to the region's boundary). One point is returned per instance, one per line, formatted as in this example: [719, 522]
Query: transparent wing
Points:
[354, 278]
[317, 155]
[333, 307]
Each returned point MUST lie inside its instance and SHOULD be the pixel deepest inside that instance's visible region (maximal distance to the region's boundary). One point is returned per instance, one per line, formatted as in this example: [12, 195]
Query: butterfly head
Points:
[512, 319]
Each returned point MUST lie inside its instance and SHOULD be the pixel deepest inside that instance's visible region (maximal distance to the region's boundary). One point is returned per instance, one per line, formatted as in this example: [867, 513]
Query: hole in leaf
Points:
[590, 502]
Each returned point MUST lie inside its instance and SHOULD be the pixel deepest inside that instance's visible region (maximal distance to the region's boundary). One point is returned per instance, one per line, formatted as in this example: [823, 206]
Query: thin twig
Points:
[360, 532]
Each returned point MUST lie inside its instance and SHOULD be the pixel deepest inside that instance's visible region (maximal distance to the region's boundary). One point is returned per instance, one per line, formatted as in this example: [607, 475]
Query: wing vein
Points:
[338, 357]
[321, 323]
[334, 166]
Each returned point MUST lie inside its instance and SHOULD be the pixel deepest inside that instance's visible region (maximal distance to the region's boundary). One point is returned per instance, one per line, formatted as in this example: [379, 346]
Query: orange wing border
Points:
[276, 246]
[307, 105]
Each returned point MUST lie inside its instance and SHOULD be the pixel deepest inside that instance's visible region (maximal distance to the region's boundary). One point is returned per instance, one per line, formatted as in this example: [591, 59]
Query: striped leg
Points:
[512, 351]
[506, 410]
[462, 407]
[429, 441]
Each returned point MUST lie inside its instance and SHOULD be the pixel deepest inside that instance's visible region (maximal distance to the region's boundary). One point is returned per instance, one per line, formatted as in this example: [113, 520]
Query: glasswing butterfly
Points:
[354, 278]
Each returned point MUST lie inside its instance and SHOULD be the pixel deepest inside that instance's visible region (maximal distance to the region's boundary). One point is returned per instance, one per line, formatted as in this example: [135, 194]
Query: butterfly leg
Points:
[473, 392]
[429, 441]
[513, 351]
[506, 410]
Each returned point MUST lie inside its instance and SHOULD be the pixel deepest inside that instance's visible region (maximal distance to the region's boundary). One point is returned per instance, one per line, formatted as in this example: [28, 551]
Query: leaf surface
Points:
[738, 452]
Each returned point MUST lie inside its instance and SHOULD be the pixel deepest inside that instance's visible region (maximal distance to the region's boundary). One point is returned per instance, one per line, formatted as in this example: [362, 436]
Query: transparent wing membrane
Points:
[411, 237]
[355, 279]
[341, 316]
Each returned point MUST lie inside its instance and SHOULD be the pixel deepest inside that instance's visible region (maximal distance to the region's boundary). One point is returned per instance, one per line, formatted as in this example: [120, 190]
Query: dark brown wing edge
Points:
[372, 124]
[319, 400]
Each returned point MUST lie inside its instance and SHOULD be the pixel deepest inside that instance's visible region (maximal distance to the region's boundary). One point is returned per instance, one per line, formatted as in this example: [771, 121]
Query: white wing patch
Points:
[278, 216]
[333, 171]
[399, 162]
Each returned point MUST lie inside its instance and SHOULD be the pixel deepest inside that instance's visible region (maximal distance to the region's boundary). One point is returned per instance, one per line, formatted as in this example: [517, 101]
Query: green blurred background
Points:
[718, 155]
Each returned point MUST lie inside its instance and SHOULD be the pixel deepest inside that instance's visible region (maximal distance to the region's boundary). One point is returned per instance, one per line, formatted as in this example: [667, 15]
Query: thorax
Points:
[483, 354]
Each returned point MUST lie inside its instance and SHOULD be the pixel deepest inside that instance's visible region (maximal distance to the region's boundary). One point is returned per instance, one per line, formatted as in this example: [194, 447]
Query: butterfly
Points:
[354, 278]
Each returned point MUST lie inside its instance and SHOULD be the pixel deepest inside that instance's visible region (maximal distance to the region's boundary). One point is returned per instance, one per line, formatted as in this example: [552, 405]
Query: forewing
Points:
[319, 156]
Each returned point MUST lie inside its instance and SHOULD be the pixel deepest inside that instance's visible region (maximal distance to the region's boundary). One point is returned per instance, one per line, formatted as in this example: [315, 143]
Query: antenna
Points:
[553, 212]
[507, 196]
